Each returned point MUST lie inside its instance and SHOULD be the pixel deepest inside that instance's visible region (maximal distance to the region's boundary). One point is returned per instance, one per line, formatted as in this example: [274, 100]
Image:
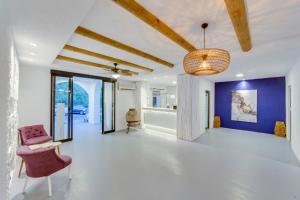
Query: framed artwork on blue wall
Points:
[244, 106]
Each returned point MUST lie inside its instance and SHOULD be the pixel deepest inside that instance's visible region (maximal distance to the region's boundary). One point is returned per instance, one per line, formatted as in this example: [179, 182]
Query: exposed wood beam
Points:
[100, 38]
[237, 12]
[105, 57]
[84, 62]
[139, 11]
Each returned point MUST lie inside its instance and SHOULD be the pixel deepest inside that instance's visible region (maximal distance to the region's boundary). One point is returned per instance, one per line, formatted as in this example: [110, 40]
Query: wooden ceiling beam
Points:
[100, 38]
[105, 57]
[84, 62]
[237, 12]
[142, 13]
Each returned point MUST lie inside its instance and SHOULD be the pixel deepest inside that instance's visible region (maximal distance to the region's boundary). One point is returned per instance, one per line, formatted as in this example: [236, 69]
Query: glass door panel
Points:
[61, 108]
[108, 103]
[207, 104]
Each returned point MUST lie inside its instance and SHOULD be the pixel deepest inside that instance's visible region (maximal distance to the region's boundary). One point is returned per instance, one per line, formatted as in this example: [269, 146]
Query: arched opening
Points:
[80, 95]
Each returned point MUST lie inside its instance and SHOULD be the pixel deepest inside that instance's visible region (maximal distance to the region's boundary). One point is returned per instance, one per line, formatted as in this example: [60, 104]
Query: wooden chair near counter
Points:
[132, 118]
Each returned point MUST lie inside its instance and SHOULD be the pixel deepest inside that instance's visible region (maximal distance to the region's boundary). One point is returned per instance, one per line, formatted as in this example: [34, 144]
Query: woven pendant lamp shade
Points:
[206, 61]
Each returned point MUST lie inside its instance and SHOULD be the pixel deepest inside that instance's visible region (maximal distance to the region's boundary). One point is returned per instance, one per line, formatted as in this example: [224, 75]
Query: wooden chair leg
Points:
[69, 172]
[49, 186]
[25, 184]
[58, 150]
[21, 166]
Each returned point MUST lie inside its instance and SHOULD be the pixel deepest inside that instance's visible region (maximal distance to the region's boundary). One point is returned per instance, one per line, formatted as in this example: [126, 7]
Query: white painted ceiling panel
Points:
[274, 27]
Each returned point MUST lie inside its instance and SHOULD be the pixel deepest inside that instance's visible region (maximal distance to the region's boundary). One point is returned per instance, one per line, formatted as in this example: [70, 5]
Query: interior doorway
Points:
[207, 109]
[81, 103]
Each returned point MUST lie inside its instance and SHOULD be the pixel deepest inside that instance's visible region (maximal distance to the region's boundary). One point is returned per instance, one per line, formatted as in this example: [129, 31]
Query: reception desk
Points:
[161, 119]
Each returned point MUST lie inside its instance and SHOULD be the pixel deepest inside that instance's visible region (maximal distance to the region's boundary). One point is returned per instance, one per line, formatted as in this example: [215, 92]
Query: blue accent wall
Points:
[270, 103]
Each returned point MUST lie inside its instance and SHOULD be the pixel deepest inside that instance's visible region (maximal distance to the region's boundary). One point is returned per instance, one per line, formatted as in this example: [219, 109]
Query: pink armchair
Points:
[35, 134]
[30, 135]
[43, 163]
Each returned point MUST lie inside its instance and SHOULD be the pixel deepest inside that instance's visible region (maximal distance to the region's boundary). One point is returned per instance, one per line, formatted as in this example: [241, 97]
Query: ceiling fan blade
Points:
[107, 73]
[126, 74]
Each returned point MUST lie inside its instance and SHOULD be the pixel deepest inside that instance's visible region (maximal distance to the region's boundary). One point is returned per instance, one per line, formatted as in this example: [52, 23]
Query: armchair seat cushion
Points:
[37, 140]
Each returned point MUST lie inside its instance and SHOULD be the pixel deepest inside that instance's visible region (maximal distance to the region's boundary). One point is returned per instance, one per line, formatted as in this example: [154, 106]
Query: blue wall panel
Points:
[270, 103]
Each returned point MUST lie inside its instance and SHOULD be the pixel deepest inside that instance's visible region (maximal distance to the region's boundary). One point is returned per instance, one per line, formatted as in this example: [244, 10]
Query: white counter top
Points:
[160, 109]
[161, 119]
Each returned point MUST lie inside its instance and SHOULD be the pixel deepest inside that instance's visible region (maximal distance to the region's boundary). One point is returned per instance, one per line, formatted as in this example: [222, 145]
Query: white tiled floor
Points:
[259, 144]
[155, 166]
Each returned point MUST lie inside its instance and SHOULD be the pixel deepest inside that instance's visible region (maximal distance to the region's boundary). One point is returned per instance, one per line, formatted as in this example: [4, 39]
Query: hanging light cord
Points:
[204, 37]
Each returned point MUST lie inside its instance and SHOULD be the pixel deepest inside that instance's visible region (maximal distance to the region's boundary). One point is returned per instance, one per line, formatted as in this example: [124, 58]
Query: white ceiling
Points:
[274, 28]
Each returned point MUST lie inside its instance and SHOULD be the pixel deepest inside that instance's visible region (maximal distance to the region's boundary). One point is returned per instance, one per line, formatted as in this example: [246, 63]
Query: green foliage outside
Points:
[80, 96]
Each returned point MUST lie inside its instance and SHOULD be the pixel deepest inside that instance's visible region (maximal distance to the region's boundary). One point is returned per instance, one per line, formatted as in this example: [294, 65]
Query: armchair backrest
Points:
[28, 132]
[40, 162]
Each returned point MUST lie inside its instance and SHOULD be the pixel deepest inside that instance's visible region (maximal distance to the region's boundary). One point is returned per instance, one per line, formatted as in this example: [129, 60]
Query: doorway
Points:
[207, 109]
[87, 109]
[79, 103]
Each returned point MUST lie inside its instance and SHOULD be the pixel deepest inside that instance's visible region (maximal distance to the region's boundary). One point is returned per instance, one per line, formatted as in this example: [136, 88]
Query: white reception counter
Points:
[161, 119]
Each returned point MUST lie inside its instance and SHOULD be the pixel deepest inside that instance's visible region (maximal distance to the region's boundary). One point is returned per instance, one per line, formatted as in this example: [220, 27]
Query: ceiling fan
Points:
[117, 72]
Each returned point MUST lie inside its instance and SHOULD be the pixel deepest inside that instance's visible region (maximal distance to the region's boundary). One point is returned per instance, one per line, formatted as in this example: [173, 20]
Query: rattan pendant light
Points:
[206, 61]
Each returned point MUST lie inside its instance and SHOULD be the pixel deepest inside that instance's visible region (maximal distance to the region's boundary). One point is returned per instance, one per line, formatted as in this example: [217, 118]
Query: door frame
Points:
[113, 108]
[207, 92]
[70, 105]
[290, 112]
[55, 73]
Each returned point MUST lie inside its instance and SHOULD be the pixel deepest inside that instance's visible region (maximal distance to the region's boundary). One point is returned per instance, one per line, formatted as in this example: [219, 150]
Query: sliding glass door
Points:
[61, 126]
[94, 103]
[108, 107]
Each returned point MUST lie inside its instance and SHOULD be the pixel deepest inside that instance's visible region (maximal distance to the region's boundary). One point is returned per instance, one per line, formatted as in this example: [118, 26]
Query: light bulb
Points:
[204, 64]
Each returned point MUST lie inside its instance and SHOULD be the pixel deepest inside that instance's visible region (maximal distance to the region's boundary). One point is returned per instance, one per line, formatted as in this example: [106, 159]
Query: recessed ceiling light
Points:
[116, 76]
[174, 82]
[33, 44]
[240, 75]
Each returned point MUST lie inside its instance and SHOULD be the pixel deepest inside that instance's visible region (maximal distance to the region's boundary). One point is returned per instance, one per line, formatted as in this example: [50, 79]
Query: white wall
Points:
[293, 80]
[199, 106]
[125, 99]
[191, 106]
[34, 100]
[9, 80]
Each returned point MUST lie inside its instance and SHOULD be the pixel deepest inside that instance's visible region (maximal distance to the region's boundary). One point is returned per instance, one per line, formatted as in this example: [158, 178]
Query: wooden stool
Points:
[132, 124]
[217, 122]
[280, 129]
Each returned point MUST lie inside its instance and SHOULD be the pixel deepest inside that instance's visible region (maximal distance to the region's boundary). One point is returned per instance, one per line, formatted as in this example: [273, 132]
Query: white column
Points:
[184, 107]
[91, 92]
[9, 82]
[97, 94]
[191, 106]
[142, 99]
